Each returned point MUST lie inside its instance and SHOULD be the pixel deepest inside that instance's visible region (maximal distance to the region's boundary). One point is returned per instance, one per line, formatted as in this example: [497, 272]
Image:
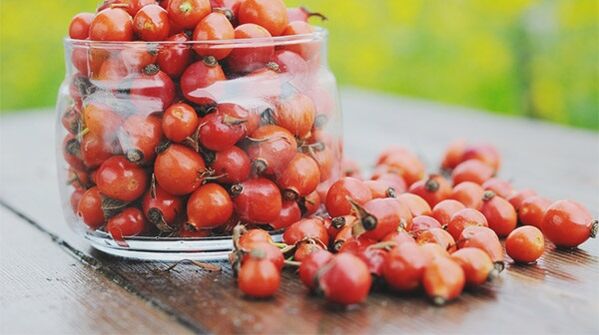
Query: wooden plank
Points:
[558, 294]
[45, 291]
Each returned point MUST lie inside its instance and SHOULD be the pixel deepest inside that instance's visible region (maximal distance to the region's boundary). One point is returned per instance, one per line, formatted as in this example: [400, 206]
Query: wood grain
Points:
[558, 294]
[46, 291]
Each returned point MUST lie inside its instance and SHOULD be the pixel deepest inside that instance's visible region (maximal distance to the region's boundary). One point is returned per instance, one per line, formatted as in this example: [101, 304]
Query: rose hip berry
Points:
[568, 224]
[525, 244]
[257, 200]
[119, 179]
[179, 169]
[345, 280]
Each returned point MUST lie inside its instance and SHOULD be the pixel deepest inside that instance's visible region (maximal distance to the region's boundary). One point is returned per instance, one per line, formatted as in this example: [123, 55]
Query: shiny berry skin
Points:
[129, 222]
[454, 154]
[101, 120]
[248, 59]
[464, 218]
[272, 149]
[232, 165]
[525, 244]
[270, 251]
[518, 197]
[215, 26]
[119, 179]
[290, 213]
[443, 280]
[197, 77]
[295, 113]
[307, 51]
[173, 59]
[404, 267]
[209, 206]
[311, 265]
[472, 170]
[469, 194]
[188, 13]
[347, 281]
[307, 228]
[112, 24]
[139, 137]
[90, 210]
[95, 150]
[348, 187]
[79, 26]
[438, 236]
[416, 204]
[220, 132]
[424, 222]
[253, 236]
[270, 14]
[477, 265]
[483, 238]
[258, 277]
[568, 224]
[485, 153]
[532, 210]
[179, 169]
[445, 209]
[500, 214]
[501, 187]
[299, 178]
[162, 208]
[433, 190]
[153, 90]
[151, 23]
[257, 200]
[405, 163]
[179, 122]
[380, 217]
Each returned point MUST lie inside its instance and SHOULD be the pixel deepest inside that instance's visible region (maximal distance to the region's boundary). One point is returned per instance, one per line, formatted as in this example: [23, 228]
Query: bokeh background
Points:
[529, 58]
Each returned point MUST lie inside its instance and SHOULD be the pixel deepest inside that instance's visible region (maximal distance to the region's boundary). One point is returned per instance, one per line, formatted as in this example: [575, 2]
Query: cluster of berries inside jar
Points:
[188, 117]
[190, 132]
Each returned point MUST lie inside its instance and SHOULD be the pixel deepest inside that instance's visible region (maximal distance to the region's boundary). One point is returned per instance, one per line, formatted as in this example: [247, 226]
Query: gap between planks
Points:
[107, 272]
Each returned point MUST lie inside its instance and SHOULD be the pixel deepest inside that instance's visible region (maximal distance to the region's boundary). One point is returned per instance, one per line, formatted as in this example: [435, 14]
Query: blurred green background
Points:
[532, 58]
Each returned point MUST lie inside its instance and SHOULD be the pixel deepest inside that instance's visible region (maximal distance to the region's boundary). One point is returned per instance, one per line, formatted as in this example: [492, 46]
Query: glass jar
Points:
[164, 147]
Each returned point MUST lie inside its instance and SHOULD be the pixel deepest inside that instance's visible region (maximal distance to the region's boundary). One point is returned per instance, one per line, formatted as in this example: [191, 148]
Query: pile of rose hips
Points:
[150, 151]
[438, 232]
[154, 148]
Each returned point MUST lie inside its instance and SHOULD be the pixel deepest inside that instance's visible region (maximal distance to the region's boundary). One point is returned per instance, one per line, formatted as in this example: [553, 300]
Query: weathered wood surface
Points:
[45, 290]
[558, 294]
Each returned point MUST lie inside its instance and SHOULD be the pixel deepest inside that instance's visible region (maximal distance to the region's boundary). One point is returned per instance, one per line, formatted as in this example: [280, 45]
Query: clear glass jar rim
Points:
[319, 34]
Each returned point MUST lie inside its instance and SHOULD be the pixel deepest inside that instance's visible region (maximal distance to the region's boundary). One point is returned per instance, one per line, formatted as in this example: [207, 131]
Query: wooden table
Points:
[51, 282]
